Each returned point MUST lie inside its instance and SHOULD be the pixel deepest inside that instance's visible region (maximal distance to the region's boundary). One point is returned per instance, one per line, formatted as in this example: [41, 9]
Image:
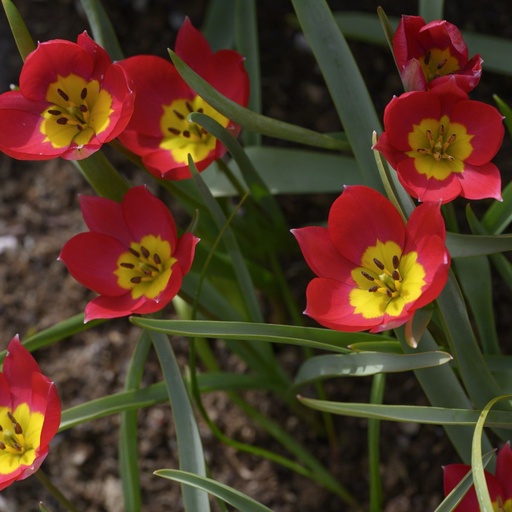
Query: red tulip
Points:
[428, 54]
[441, 144]
[29, 415]
[159, 130]
[373, 272]
[71, 100]
[499, 485]
[132, 256]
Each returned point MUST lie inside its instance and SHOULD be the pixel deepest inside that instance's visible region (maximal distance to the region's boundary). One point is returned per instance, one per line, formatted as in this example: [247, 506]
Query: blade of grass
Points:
[376, 397]
[19, 30]
[431, 10]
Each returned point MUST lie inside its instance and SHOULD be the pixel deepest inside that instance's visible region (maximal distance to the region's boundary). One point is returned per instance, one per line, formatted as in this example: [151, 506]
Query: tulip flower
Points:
[498, 485]
[132, 256]
[159, 131]
[29, 415]
[441, 144]
[71, 100]
[428, 54]
[373, 272]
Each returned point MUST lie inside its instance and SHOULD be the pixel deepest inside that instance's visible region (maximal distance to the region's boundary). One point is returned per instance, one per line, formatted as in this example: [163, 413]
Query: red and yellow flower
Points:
[373, 272]
[132, 256]
[427, 54]
[441, 144]
[499, 485]
[159, 131]
[29, 415]
[70, 101]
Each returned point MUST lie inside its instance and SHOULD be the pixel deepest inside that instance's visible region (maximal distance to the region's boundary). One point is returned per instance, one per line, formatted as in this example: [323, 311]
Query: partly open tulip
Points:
[441, 144]
[29, 415]
[373, 272]
[159, 131]
[427, 54]
[132, 255]
[70, 101]
[499, 485]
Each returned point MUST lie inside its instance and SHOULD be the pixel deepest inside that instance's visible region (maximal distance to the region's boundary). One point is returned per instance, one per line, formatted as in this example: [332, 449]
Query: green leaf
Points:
[431, 10]
[365, 363]
[228, 494]
[218, 23]
[19, 30]
[252, 120]
[506, 111]
[344, 81]
[190, 449]
[499, 214]
[461, 246]
[102, 30]
[313, 337]
[390, 347]
[410, 413]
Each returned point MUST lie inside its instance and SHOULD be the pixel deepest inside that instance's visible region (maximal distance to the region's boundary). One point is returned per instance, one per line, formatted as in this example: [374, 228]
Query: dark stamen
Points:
[441, 64]
[427, 58]
[174, 131]
[179, 115]
[441, 130]
[54, 112]
[389, 294]
[373, 289]
[452, 138]
[200, 110]
[127, 265]
[136, 280]
[189, 107]
[144, 251]
[157, 259]
[79, 128]
[2, 446]
[368, 276]
[186, 133]
[379, 263]
[395, 275]
[83, 108]
[134, 252]
[63, 95]
[17, 446]
[62, 121]
[83, 94]
[396, 261]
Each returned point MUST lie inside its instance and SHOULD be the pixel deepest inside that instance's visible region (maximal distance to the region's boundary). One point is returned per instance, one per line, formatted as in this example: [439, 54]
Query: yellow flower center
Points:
[439, 147]
[182, 137]
[386, 281]
[146, 267]
[20, 437]
[438, 63]
[78, 111]
[500, 506]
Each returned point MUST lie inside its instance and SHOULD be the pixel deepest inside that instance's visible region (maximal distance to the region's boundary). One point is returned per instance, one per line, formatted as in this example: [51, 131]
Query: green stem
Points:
[50, 487]
[376, 395]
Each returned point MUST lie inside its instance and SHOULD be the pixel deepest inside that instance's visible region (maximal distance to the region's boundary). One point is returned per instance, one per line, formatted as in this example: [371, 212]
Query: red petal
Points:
[91, 259]
[504, 470]
[100, 57]
[405, 40]
[192, 47]
[49, 398]
[320, 254]
[5, 392]
[328, 304]
[111, 307]
[105, 216]
[50, 59]
[360, 217]
[144, 214]
[162, 165]
[19, 365]
[184, 253]
[443, 34]
[481, 181]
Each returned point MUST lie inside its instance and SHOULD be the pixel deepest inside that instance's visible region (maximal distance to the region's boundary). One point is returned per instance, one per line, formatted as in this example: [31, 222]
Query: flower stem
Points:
[43, 478]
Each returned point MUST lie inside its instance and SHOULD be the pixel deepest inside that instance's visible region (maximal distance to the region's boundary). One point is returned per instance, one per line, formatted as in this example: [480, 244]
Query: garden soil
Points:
[39, 212]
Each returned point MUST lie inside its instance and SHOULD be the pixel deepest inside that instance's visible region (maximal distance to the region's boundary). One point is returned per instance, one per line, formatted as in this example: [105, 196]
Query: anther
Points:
[441, 130]
[452, 138]
[368, 276]
[189, 107]
[2, 446]
[127, 265]
[395, 275]
[179, 115]
[396, 261]
[83, 94]
[134, 252]
[83, 108]
[136, 280]
[62, 120]
[157, 259]
[186, 133]
[373, 289]
[389, 294]
[144, 251]
[379, 263]
[200, 110]
[174, 131]
[441, 64]
[427, 58]
[63, 95]
[54, 112]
